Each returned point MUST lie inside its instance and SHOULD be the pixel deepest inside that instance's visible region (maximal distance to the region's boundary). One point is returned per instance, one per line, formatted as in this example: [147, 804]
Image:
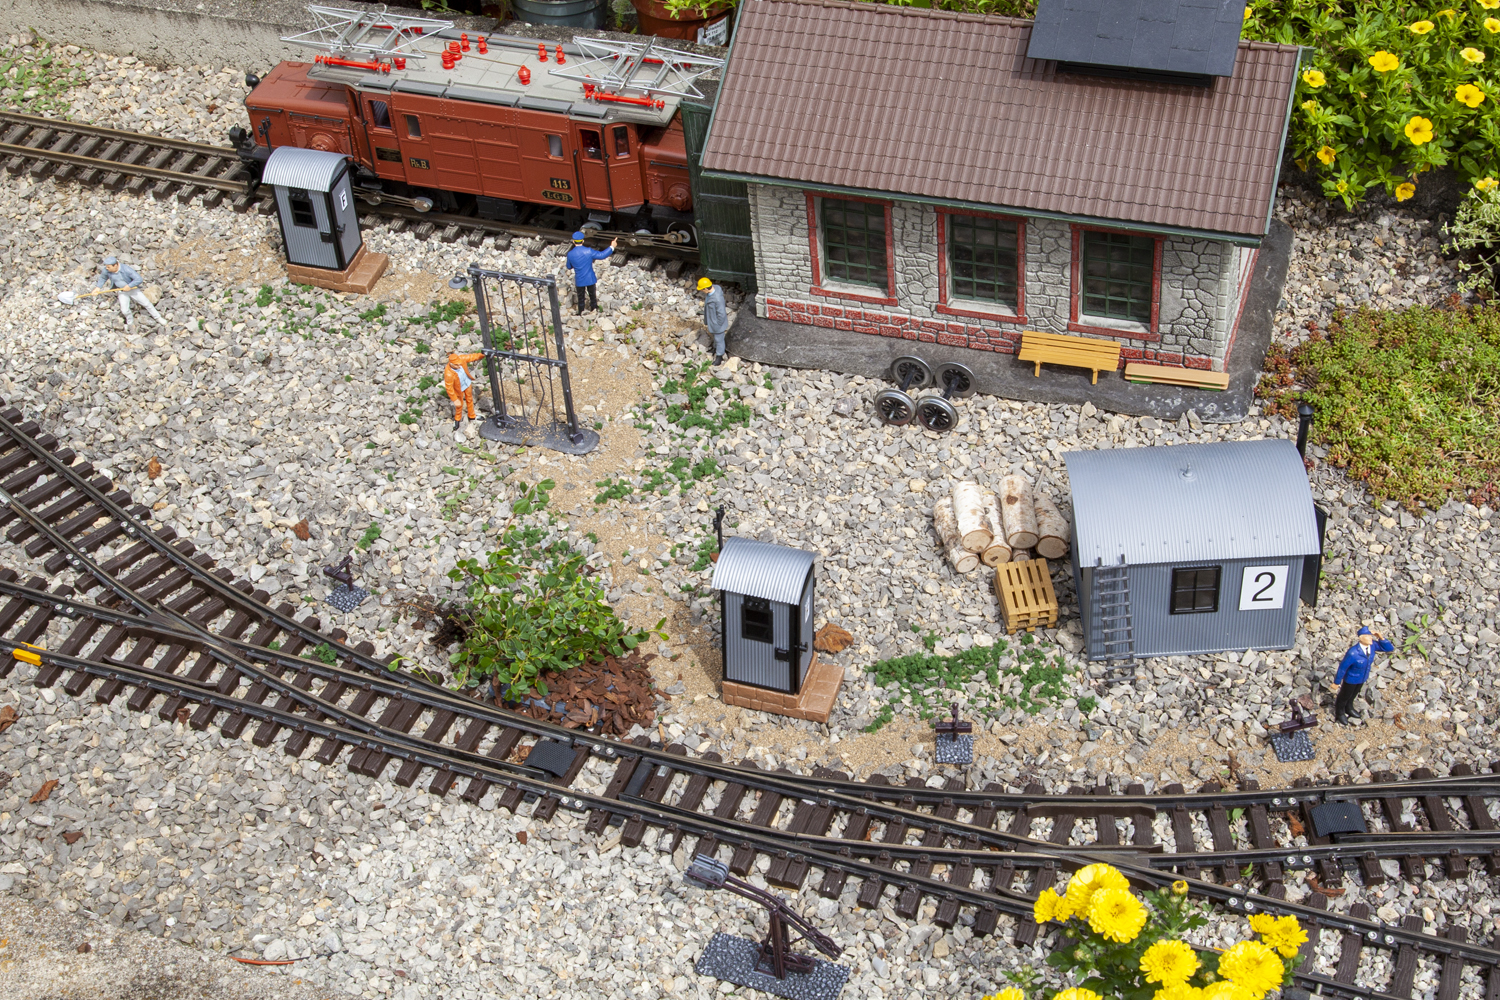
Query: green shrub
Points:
[1474, 237]
[1408, 402]
[533, 609]
[1393, 90]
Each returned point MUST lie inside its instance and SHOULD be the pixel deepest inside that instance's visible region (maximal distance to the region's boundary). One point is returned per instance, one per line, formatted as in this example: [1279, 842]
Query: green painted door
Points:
[721, 208]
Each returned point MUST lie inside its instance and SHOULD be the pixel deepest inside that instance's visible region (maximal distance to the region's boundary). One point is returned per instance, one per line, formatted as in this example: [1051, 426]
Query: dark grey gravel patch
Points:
[1297, 746]
[346, 598]
[733, 958]
[959, 750]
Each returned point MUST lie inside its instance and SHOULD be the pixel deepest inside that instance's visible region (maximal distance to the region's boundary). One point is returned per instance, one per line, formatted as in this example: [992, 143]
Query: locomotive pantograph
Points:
[506, 128]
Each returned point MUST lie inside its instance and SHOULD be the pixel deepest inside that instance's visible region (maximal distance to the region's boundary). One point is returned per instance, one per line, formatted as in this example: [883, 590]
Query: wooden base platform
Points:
[360, 276]
[820, 689]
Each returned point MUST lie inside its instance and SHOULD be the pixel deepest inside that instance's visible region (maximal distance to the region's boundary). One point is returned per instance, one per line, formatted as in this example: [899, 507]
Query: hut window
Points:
[1118, 275]
[1195, 591]
[983, 258]
[854, 241]
[755, 620]
[302, 210]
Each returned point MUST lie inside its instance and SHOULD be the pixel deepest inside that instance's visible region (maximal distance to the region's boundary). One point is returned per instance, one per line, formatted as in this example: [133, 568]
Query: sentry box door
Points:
[759, 639]
[306, 227]
[345, 219]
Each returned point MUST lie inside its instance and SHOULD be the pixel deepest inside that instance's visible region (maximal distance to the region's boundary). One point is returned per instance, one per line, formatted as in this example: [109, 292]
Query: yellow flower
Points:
[1077, 993]
[1326, 155]
[1405, 190]
[1472, 55]
[1180, 887]
[1088, 880]
[1469, 95]
[1254, 966]
[1011, 993]
[1309, 106]
[1492, 25]
[1225, 990]
[1418, 130]
[1420, 27]
[1384, 61]
[1489, 4]
[1116, 914]
[1179, 991]
[1450, 13]
[1486, 184]
[1169, 962]
[1284, 933]
[1045, 907]
[1248, 12]
[1314, 78]
[1341, 186]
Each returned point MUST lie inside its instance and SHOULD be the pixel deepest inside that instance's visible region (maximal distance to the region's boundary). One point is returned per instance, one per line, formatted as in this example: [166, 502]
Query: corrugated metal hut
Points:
[315, 204]
[766, 594]
[1192, 548]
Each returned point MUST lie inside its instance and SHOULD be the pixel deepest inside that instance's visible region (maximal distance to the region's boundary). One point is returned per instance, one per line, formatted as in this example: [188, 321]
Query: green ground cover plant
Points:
[1408, 402]
[37, 82]
[535, 606]
[928, 682]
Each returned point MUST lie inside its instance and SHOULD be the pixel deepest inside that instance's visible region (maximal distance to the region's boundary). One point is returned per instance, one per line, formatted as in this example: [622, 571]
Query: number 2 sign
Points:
[1263, 588]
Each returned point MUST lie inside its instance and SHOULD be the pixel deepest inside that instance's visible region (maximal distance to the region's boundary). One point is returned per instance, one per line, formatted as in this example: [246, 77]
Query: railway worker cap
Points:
[579, 236]
[1365, 631]
[704, 284]
[111, 261]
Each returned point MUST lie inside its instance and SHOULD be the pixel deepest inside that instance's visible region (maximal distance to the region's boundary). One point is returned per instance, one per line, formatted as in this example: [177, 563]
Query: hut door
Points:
[345, 220]
[757, 632]
[804, 651]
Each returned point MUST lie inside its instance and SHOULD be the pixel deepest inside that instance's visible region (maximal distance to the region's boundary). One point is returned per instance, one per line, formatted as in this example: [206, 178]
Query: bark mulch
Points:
[614, 695]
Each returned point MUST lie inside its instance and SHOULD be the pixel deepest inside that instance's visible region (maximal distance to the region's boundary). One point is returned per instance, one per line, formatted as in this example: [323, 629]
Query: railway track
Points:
[118, 610]
[174, 168]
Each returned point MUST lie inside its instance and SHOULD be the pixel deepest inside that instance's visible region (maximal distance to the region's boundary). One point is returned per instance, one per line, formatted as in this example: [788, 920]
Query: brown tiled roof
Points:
[939, 105]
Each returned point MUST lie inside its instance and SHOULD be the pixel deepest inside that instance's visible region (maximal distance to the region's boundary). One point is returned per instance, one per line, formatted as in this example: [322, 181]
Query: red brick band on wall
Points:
[948, 333]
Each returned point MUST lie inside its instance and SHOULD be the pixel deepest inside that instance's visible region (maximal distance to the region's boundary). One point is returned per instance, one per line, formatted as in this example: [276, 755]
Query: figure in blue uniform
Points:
[581, 261]
[1354, 670]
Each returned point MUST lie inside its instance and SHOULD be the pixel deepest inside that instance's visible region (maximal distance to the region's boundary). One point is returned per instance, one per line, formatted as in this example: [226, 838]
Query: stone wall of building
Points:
[1201, 284]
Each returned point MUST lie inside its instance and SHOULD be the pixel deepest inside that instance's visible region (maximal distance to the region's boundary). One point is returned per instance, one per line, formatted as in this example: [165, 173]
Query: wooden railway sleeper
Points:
[692, 797]
[873, 887]
[1026, 929]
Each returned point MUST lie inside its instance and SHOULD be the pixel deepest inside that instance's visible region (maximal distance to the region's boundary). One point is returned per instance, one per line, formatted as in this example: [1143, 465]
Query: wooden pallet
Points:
[1026, 596]
[1193, 378]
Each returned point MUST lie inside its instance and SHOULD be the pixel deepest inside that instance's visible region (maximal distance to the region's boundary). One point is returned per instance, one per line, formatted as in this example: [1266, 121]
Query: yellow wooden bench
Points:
[1079, 352]
[1193, 378]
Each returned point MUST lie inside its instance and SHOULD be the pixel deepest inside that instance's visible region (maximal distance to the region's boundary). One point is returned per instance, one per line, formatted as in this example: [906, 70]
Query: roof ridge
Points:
[922, 13]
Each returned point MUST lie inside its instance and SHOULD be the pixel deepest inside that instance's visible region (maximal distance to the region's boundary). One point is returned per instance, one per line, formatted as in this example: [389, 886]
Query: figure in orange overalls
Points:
[460, 385]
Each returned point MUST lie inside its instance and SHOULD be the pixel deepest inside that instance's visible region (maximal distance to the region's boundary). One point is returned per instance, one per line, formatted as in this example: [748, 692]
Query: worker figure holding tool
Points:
[1354, 670]
[125, 281]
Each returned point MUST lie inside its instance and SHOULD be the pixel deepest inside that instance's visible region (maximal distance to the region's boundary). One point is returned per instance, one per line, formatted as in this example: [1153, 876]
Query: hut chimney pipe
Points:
[1304, 423]
[719, 527]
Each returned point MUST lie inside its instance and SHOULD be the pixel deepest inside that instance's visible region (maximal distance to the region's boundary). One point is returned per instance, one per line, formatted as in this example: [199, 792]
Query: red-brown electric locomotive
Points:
[500, 126]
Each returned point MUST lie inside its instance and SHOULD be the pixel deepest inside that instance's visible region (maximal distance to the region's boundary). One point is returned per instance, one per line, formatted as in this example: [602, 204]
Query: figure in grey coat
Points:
[715, 315]
[127, 282]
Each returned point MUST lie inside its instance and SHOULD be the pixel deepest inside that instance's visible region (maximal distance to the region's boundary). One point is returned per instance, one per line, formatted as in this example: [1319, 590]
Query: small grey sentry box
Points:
[315, 205]
[766, 595]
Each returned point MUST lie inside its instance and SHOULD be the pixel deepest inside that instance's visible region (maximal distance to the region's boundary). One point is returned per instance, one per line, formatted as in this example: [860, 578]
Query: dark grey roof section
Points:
[760, 569]
[1191, 503]
[308, 169]
[1198, 37]
[481, 94]
[419, 87]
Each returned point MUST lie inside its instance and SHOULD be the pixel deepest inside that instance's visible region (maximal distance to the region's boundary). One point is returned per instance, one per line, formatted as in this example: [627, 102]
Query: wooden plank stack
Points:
[1027, 599]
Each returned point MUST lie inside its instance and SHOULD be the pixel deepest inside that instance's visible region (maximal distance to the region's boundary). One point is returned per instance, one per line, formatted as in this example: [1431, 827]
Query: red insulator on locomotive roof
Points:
[448, 62]
[399, 61]
[524, 74]
[484, 45]
[453, 47]
[560, 58]
[463, 41]
[541, 51]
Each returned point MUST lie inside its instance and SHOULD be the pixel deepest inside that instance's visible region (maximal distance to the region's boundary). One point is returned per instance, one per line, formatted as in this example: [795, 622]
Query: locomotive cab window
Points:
[302, 210]
[380, 115]
[593, 144]
[1195, 590]
[554, 146]
[622, 140]
[413, 127]
[755, 620]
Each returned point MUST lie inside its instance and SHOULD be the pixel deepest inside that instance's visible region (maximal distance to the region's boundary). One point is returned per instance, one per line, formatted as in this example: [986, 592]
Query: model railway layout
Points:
[174, 168]
[128, 611]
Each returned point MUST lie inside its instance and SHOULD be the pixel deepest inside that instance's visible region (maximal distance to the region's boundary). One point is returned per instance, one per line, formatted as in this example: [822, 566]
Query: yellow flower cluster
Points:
[1420, 27]
[1492, 25]
[1327, 155]
[1405, 190]
[1472, 55]
[1253, 966]
[1489, 4]
[1285, 934]
[1170, 963]
[1384, 62]
[1486, 184]
[1418, 130]
[1077, 993]
[1469, 95]
[1314, 78]
[1099, 894]
[1007, 994]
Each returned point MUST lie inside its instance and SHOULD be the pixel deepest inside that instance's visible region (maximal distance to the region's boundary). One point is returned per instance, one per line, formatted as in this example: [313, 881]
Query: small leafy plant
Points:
[370, 537]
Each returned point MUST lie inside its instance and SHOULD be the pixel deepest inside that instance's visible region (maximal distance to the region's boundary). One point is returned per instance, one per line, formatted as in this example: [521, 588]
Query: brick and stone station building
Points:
[929, 178]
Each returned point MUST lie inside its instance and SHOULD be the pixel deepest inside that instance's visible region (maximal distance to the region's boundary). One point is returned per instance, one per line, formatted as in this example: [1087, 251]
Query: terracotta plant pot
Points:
[657, 20]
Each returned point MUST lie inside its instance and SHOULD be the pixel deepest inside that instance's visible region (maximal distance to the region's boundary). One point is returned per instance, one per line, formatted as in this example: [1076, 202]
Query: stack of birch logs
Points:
[977, 526]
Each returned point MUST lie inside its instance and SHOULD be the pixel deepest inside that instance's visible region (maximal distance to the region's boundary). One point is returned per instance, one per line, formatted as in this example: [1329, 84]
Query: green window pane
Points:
[1117, 275]
[854, 241]
[983, 259]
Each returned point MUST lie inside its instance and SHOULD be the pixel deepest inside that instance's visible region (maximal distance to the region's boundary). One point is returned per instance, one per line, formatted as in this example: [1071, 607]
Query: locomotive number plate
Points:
[419, 164]
[561, 184]
[556, 196]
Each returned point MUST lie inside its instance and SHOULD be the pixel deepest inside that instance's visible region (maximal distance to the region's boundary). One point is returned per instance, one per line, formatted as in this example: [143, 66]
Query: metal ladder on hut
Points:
[1112, 626]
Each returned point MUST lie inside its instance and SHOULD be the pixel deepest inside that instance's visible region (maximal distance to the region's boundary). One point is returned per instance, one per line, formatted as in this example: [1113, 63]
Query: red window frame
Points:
[1076, 323]
[977, 311]
[813, 229]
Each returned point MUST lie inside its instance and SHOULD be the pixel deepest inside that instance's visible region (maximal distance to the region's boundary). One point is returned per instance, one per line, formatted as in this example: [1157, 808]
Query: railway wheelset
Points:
[933, 411]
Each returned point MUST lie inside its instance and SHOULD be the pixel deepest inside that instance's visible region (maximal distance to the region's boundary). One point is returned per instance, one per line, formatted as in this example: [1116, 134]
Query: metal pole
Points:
[481, 305]
[562, 356]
